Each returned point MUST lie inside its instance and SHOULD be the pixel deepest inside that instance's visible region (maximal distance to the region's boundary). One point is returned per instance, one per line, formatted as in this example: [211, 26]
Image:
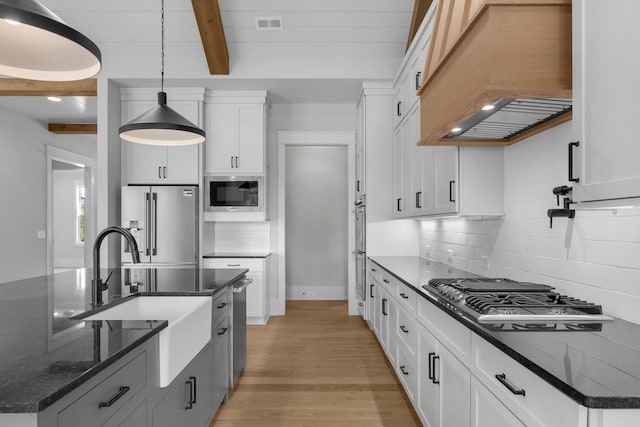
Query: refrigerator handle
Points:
[154, 208]
[147, 222]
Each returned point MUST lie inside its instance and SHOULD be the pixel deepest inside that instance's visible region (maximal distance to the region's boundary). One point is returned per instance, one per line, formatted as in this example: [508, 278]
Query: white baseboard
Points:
[316, 293]
[257, 320]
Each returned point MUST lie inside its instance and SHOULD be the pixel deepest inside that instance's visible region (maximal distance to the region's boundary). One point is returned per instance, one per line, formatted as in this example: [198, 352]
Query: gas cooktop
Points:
[509, 305]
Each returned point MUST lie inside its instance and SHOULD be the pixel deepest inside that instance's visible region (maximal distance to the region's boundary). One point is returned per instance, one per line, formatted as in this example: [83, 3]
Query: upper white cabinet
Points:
[605, 78]
[236, 132]
[438, 180]
[151, 164]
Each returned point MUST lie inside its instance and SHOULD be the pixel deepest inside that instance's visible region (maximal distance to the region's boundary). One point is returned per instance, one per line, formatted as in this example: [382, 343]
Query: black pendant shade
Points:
[162, 126]
[36, 44]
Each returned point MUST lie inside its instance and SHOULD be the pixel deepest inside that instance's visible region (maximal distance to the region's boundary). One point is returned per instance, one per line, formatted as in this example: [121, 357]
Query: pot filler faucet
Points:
[96, 284]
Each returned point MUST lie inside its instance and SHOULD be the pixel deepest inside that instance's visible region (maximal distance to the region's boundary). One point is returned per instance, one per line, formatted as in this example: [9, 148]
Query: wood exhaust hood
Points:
[498, 71]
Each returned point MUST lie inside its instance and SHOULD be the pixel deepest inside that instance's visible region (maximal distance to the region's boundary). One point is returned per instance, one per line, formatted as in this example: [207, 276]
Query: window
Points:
[79, 215]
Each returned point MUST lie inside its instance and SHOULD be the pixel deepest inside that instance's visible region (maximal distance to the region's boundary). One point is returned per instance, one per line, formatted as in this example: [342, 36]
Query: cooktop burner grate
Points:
[531, 302]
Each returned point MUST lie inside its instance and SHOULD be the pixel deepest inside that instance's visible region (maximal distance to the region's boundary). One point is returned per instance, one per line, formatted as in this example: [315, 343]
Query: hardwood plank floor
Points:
[314, 367]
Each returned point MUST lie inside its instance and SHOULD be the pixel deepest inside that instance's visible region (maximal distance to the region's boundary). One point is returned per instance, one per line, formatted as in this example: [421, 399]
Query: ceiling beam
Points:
[420, 8]
[22, 87]
[212, 35]
[74, 128]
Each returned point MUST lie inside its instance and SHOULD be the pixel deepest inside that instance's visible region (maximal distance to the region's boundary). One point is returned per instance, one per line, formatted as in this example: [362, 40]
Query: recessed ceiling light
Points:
[488, 107]
[456, 130]
[11, 22]
[54, 98]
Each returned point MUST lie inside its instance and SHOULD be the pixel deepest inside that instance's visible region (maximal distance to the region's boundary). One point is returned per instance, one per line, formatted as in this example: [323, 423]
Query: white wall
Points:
[23, 191]
[66, 253]
[317, 217]
[595, 256]
[235, 237]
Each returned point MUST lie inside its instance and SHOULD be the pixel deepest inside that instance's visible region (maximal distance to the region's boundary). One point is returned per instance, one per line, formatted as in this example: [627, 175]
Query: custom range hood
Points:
[498, 71]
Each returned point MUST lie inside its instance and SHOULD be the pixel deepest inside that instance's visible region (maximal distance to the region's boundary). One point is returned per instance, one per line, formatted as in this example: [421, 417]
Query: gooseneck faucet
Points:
[96, 284]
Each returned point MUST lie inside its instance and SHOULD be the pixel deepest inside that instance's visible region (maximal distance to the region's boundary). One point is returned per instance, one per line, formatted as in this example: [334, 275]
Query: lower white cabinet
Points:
[443, 385]
[388, 322]
[258, 299]
[487, 410]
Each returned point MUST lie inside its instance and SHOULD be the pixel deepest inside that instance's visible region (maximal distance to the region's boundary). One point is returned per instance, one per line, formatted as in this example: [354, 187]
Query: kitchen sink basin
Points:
[189, 328]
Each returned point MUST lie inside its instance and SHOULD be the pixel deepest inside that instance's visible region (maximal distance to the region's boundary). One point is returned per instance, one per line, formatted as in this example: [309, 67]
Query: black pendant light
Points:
[38, 45]
[162, 125]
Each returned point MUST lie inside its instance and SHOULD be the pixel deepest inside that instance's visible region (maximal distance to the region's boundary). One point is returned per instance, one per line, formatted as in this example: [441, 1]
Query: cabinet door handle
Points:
[358, 185]
[418, 74]
[503, 380]
[233, 265]
[451, 199]
[403, 370]
[236, 161]
[121, 392]
[223, 331]
[371, 291]
[222, 305]
[403, 295]
[231, 162]
[433, 362]
[431, 354]
[403, 329]
[398, 205]
[160, 172]
[189, 382]
[164, 171]
[398, 108]
[384, 307]
[418, 197]
[194, 380]
[571, 145]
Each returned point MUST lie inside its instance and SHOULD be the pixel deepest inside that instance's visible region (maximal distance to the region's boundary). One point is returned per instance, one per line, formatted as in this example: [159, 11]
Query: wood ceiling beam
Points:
[22, 87]
[212, 35]
[74, 128]
[420, 8]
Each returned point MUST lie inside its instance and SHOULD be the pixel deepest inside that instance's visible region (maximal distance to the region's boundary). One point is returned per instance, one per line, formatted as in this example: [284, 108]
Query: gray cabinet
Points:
[221, 362]
[188, 400]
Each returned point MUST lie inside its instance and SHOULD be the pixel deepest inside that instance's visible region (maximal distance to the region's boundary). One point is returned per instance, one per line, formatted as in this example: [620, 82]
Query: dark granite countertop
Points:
[596, 369]
[45, 354]
[237, 255]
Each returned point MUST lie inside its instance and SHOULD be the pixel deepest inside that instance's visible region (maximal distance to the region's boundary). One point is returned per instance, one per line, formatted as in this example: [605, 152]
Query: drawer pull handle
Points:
[403, 370]
[121, 392]
[371, 291]
[503, 379]
[189, 382]
[222, 305]
[374, 270]
[385, 280]
[384, 307]
[403, 329]
[233, 265]
[195, 388]
[405, 296]
[223, 331]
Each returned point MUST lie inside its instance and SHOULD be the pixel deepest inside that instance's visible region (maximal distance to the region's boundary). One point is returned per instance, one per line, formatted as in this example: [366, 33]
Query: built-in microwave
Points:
[234, 193]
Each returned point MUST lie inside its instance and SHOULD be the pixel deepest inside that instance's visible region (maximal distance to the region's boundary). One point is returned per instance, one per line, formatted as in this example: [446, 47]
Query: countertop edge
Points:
[237, 255]
[593, 402]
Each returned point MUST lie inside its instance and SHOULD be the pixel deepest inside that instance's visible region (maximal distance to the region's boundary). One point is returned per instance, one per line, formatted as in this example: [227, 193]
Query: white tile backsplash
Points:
[236, 237]
[595, 256]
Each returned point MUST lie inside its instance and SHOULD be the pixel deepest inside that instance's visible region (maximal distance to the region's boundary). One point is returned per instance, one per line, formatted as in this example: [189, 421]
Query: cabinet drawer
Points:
[454, 335]
[407, 331]
[407, 297]
[114, 391]
[408, 373]
[220, 307]
[538, 403]
[251, 264]
[389, 282]
[374, 271]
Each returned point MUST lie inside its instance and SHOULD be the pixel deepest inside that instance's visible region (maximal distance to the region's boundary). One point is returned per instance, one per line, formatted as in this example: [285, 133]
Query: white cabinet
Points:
[605, 77]
[236, 132]
[487, 410]
[258, 298]
[151, 164]
[443, 385]
[388, 321]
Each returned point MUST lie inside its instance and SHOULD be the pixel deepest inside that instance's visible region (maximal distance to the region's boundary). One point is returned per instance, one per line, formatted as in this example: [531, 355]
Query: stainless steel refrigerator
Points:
[164, 222]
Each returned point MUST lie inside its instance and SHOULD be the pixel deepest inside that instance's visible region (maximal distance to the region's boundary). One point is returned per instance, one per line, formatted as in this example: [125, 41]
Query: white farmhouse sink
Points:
[189, 328]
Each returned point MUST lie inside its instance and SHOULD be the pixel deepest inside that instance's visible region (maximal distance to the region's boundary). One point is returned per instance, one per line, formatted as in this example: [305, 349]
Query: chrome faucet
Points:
[96, 284]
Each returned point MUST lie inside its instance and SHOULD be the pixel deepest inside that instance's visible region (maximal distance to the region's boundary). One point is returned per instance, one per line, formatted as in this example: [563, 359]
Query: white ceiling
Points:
[327, 32]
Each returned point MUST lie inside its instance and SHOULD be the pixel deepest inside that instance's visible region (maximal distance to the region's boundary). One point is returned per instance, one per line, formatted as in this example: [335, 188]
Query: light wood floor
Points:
[315, 367]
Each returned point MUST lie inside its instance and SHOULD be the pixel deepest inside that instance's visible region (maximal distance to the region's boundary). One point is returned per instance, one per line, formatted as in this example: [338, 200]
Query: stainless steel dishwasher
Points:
[239, 329]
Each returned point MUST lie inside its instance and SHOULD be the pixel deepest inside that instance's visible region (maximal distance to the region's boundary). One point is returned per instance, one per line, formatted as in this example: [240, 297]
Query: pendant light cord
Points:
[162, 48]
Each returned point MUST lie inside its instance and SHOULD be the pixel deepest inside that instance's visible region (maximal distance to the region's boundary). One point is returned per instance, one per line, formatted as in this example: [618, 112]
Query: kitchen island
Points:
[49, 360]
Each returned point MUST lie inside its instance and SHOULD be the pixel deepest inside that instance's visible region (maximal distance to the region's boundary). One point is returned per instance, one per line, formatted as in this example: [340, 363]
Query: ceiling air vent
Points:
[269, 23]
